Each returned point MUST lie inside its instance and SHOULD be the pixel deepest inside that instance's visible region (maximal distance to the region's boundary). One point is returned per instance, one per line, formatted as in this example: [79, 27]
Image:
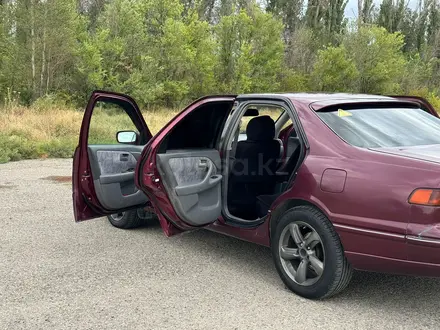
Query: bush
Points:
[49, 102]
[15, 147]
[57, 149]
[294, 82]
[430, 96]
[334, 71]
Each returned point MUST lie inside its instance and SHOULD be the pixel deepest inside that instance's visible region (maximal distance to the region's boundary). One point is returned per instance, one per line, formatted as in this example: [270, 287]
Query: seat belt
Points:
[234, 143]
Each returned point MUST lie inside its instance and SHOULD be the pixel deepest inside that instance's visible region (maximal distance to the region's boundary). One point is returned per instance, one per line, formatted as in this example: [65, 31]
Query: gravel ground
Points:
[55, 274]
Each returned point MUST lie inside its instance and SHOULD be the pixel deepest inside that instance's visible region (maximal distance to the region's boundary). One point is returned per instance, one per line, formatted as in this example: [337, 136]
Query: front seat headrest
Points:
[260, 129]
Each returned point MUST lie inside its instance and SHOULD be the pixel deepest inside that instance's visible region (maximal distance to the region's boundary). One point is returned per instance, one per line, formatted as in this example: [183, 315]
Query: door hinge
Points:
[153, 177]
[85, 176]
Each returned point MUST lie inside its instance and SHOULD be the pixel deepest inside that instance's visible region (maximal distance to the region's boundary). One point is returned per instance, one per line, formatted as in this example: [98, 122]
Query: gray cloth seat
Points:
[254, 167]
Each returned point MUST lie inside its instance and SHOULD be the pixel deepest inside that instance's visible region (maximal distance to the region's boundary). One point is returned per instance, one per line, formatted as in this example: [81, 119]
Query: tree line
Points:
[166, 52]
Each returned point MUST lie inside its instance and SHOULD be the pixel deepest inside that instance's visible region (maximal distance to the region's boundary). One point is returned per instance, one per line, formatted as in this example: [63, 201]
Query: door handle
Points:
[203, 163]
[123, 157]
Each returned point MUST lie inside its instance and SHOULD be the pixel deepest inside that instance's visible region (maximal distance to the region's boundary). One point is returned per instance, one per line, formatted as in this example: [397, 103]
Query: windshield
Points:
[384, 127]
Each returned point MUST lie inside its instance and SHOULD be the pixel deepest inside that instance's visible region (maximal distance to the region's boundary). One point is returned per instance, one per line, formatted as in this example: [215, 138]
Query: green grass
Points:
[28, 133]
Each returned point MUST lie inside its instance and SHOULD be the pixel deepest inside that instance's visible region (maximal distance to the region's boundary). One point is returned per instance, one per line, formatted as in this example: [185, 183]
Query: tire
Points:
[308, 254]
[126, 220]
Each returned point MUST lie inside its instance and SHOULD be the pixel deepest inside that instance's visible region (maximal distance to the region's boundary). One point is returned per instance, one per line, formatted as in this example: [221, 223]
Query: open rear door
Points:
[192, 180]
[181, 169]
[113, 135]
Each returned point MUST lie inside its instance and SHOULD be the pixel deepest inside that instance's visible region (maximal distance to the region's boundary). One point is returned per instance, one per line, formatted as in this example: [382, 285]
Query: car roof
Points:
[320, 100]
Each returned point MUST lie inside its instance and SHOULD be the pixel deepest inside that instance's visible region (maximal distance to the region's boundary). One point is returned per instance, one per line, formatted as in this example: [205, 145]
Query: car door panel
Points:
[103, 178]
[113, 175]
[113, 159]
[192, 180]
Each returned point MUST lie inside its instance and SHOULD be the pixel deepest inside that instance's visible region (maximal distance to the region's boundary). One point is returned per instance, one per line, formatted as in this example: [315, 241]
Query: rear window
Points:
[383, 127]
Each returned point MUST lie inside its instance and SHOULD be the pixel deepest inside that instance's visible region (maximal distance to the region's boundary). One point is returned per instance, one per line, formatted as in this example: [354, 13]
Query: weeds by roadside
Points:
[27, 133]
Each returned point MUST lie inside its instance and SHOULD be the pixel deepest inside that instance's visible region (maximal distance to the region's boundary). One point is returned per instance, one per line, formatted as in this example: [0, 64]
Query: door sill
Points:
[242, 223]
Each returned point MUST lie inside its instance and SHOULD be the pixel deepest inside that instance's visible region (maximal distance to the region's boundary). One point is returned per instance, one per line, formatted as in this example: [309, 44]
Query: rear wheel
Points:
[308, 254]
[126, 219]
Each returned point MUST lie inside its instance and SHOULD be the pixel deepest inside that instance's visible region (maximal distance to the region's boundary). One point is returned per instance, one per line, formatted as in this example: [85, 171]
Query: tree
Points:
[378, 57]
[58, 27]
[201, 80]
[92, 9]
[314, 14]
[391, 14]
[301, 50]
[366, 9]
[416, 74]
[42, 43]
[326, 18]
[334, 71]
[334, 18]
[289, 11]
[165, 52]
[413, 28]
[4, 46]
[432, 13]
[180, 53]
[250, 52]
[151, 51]
[206, 9]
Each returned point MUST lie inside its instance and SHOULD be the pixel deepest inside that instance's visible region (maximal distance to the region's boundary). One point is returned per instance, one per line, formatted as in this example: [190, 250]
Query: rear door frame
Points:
[85, 202]
[244, 101]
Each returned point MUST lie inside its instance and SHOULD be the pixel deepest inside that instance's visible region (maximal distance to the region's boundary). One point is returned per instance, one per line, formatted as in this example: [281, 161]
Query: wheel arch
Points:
[280, 209]
[341, 270]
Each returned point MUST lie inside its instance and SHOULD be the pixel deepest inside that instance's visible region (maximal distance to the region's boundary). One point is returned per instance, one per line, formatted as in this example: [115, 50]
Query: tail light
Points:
[428, 197]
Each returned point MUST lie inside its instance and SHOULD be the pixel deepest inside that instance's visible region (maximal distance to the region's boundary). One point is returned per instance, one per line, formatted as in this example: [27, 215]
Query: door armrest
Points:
[191, 189]
[115, 178]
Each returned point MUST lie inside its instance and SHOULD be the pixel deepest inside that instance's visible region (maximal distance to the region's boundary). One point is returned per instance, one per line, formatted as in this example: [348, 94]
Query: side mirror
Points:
[127, 137]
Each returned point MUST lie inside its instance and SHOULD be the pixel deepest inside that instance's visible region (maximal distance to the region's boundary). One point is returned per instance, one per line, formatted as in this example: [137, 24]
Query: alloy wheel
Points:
[301, 253]
[117, 216]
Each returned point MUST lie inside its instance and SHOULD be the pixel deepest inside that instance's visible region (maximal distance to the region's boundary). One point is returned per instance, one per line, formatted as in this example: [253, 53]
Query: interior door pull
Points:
[123, 157]
[203, 163]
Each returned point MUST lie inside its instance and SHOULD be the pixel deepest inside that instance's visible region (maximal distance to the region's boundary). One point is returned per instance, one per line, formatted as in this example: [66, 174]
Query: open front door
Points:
[113, 135]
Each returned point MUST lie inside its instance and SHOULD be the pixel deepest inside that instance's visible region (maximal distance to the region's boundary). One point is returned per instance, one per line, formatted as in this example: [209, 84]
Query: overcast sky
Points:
[351, 9]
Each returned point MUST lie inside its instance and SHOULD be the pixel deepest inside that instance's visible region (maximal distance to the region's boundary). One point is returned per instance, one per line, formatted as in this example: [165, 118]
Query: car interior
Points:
[263, 154]
[261, 164]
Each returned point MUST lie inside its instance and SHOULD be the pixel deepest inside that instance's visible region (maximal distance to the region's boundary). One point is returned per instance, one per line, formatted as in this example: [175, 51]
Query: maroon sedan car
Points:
[330, 182]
